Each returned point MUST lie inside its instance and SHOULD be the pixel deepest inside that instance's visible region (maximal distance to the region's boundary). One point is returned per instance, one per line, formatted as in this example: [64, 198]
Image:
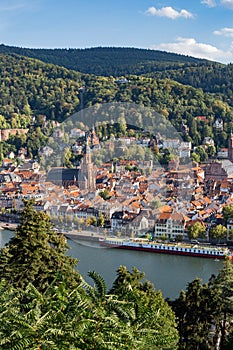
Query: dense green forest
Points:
[105, 60]
[30, 89]
[113, 61]
[211, 77]
[46, 303]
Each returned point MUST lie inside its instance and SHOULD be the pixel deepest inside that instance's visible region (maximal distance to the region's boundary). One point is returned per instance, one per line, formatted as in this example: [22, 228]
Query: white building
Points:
[170, 225]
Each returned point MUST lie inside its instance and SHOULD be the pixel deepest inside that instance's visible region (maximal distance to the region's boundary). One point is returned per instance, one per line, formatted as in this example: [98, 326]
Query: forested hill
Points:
[211, 77]
[29, 87]
[112, 61]
[107, 60]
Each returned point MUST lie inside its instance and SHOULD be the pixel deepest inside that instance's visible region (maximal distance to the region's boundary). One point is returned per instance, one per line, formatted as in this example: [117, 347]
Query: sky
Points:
[199, 28]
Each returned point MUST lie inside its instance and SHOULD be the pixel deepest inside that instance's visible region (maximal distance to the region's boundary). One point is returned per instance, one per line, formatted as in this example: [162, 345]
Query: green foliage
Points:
[204, 312]
[105, 194]
[36, 254]
[194, 310]
[227, 212]
[32, 87]
[84, 317]
[196, 230]
[154, 320]
[219, 232]
[202, 153]
[41, 89]
[101, 220]
[106, 60]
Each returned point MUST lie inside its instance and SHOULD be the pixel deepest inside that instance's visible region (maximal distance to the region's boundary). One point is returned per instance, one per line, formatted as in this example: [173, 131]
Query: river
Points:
[169, 273]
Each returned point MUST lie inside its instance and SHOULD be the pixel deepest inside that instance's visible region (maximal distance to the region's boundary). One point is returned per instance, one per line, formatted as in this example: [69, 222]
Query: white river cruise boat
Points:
[195, 250]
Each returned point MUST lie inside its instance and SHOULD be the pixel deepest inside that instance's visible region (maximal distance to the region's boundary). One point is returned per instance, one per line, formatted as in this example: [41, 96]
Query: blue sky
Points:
[200, 28]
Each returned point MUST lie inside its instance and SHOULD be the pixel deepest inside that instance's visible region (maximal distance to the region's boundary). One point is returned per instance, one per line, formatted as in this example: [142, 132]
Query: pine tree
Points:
[36, 254]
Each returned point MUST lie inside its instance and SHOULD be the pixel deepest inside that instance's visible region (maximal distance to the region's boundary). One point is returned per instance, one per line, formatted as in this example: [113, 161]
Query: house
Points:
[218, 124]
[170, 225]
[29, 165]
[215, 171]
[139, 225]
[208, 141]
[6, 133]
[117, 220]
[77, 133]
[171, 143]
[202, 118]
[223, 153]
[58, 133]
[184, 128]
[7, 163]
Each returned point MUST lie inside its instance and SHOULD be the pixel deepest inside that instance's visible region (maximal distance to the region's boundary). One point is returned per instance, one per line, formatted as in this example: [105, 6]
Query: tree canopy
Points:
[36, 254]
[45, 303]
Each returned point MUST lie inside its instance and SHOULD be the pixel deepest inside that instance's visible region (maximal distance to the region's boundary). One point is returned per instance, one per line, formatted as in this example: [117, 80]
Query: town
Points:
[136, 197]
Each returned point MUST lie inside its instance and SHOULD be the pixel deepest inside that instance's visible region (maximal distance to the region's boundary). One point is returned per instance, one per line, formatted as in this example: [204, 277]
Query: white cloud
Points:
[168, 12]
[227, 3]
[190, 47]
[228, 32]
[209, 3]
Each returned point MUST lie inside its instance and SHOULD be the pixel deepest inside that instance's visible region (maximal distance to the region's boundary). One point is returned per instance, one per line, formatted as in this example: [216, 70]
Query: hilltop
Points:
[119, 61]
[107, 61]
[31, 89]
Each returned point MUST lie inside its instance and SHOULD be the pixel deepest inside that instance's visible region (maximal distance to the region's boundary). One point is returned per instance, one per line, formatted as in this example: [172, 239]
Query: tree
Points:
[101, 220]
[36, 254]
[219, 232]
[211, 150]
[196, 230]
[223, 290]
[196, 157]
[154, 325]
[91, 221]
[227, 212]
[105, 194]
[56, 318]
[194, 310]
[202, 153]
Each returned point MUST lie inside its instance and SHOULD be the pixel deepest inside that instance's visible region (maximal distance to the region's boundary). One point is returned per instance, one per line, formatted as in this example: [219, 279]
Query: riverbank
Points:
[84, 235]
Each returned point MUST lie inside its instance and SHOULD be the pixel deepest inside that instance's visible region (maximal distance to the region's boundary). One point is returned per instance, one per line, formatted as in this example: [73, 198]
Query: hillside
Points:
[211, 77]
[29, 87]
[112, 61]
[107, 60]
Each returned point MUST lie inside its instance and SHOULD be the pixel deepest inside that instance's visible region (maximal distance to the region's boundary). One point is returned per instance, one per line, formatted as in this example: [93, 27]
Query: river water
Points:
[169, 273]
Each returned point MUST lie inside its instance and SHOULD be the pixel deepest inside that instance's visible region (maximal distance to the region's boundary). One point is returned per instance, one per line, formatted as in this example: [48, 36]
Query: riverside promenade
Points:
[85, 234]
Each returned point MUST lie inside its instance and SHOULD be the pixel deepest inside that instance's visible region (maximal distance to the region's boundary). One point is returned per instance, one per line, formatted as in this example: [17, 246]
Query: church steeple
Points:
[87, 173]
[87, 153]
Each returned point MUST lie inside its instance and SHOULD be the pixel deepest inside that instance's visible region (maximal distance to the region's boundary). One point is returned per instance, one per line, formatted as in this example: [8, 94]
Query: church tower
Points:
[230, 147]
[87, 172]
